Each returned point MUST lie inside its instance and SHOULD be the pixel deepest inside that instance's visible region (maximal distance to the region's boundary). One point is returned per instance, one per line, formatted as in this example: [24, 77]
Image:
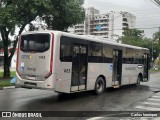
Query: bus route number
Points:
[66, 70]
[41, 57]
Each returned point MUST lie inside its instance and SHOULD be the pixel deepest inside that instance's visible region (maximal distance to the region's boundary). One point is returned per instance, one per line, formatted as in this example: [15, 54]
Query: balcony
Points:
[100, 32]
[79, 28]
[79, 33]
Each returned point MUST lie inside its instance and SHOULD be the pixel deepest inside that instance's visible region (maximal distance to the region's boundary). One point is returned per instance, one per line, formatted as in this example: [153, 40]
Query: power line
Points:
[145, 12]
[149, 21]
[156, 2]
[148, 28]
[139, 28]
[151, 5]
[140, 17]
[151, 25]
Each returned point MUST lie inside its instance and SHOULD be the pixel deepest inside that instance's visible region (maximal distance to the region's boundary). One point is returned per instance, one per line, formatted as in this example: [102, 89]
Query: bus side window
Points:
[65, 50]
[95, 54]
[107, 54]
[96, 49]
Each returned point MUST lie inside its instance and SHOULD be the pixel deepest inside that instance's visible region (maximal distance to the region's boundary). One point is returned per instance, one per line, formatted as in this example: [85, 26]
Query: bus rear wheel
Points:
[99, 86]
[138, 80]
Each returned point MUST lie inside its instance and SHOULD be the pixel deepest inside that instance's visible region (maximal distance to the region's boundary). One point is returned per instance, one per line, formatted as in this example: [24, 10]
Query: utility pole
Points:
[112, 26]
[158, 48]
[152, 50]
[159, 31]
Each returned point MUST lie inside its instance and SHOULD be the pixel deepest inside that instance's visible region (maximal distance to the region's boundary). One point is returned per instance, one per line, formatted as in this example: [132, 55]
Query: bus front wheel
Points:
[99, 86]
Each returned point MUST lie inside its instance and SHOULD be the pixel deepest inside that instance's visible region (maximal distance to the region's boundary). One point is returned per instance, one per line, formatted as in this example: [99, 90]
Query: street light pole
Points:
[152, 50]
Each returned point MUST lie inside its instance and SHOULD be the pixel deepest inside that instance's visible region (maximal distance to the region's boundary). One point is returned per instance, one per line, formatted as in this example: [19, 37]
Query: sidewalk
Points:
[9, 87]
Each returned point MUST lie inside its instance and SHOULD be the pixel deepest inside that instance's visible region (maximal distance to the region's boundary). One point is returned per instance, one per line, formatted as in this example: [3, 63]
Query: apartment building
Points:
[108, 25]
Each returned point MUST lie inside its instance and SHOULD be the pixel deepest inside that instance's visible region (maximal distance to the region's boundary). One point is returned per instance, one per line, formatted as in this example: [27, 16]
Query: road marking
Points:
[9, 87]
[151, 103]
[148, 108]
[157, 93]
[153, 99]
[157, 118]
[156, 96]
[95, 118]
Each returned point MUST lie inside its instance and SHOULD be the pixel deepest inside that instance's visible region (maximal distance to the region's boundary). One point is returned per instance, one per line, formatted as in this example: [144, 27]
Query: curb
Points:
[9, 87]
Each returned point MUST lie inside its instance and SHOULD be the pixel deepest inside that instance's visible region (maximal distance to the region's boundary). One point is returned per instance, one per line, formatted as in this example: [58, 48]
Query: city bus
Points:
[68, 63]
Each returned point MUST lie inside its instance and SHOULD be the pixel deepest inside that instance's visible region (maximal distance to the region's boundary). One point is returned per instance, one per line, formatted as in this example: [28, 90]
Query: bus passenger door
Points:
[117, 68]
[79, 68]
[145, 68]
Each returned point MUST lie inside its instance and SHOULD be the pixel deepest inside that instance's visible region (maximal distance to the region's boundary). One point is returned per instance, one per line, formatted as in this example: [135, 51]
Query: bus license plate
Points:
[31, 77]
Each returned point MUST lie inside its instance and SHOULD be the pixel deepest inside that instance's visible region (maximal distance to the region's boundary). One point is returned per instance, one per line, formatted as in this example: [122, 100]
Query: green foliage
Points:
[5, 83]
[156, 37]
[132, 36]
[21, 12]
[17, 13]
[58, 14]
[64, 13]
[154, 70]
[13, 73]
[136, 37]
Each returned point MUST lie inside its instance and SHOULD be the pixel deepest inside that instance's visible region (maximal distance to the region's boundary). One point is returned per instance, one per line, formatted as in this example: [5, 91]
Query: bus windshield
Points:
[35, 42]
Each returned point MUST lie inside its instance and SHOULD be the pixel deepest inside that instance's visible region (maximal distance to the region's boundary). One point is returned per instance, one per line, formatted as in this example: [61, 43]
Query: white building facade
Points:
[109, 25]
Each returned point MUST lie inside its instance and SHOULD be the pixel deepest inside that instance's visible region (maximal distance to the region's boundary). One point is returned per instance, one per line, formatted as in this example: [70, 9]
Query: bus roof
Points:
[86, 37]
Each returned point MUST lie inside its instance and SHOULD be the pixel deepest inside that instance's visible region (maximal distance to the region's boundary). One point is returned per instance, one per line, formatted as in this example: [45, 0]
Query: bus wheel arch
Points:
[103, 79]
[139, 79]
[100, 85]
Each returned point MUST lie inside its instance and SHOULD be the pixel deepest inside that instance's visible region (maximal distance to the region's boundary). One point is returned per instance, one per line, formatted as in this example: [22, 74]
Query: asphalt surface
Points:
[126, 98]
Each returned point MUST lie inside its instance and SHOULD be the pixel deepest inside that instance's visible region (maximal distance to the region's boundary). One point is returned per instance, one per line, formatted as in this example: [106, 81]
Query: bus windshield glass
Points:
[35, 42]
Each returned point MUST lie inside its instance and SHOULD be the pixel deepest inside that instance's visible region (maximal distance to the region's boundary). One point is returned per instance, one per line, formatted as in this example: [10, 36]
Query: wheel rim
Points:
[99, 86]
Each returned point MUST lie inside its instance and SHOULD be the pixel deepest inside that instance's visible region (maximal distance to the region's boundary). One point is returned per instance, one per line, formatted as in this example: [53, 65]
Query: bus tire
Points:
[99, 86]
[138, 80]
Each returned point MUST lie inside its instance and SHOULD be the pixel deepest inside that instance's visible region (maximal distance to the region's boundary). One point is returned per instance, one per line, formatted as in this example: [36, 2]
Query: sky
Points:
[146, 11]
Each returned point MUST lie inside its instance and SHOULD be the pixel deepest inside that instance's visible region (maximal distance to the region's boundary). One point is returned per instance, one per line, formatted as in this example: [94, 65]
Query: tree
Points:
[156, 37]
[19, 13]
[64, 13]
[136, 37]
[132, 36]
[151, 45]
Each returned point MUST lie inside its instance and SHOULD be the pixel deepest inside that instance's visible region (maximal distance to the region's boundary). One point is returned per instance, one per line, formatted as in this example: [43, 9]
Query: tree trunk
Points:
[7, 62]
[6, 73]
[7, 57]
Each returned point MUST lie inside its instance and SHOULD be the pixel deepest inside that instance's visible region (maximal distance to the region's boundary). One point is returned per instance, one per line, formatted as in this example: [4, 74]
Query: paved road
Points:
[128, 98]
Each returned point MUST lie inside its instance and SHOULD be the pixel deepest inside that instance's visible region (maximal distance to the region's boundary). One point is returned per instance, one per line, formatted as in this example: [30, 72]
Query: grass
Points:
[6, 82]
[153, 70]
[13, 73]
